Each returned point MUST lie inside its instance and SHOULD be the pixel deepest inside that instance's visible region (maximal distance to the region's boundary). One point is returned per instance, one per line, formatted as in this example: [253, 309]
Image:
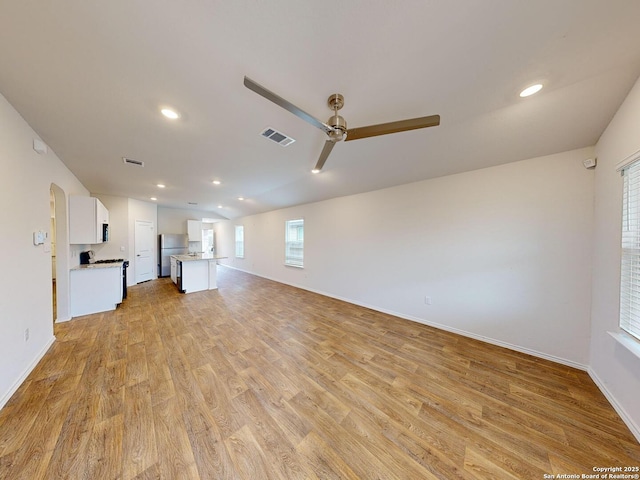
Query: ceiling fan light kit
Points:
[336, 127]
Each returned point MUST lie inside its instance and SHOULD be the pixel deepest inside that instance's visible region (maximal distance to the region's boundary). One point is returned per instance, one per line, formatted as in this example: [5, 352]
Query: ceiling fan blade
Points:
[278, 100]
[392, 127]
[328, 146]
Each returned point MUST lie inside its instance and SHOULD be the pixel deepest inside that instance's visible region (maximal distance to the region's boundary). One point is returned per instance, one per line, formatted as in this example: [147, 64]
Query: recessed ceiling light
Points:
[216, 182]
[219, 206]
[531, 90]
[160, 185]
[169, 113]
[153, 198]
[240, 198]
[315, 170]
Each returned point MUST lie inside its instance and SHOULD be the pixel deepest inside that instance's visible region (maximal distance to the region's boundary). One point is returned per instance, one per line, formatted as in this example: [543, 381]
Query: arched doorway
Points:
[60, 249]
[52, 239]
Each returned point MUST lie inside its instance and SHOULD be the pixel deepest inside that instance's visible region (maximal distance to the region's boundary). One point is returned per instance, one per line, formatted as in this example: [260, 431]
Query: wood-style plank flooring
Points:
[259, 380]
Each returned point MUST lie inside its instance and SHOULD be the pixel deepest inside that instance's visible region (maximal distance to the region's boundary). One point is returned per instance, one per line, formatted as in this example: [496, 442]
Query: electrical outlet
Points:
[427, 300]
[26, 334]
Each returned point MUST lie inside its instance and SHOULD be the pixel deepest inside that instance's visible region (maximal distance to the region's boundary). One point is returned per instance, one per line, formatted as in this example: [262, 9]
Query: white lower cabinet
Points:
[195, 276]
[194, 273]
[95, 290]
[213, 275]
[174, 270]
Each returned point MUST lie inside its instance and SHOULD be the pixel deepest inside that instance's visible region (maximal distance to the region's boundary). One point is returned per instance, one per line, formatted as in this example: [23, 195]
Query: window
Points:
[207, 240]
[239, 241]
[630, 271]
[294, 243]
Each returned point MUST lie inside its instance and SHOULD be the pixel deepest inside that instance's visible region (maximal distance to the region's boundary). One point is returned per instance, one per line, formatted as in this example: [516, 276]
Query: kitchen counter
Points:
[98, 265]
[197, 257]
[94, 288]
[196, 272]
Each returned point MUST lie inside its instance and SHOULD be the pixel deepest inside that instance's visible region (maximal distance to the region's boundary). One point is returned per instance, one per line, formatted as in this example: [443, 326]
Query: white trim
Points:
[288, 260]
[464, 333]
[630, 159]
[25, 374]
[626, 418]
[627, 341]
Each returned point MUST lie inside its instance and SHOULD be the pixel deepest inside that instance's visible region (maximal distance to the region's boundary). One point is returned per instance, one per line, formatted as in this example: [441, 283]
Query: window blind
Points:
[630, 268]
[294, 243]
[239, 241]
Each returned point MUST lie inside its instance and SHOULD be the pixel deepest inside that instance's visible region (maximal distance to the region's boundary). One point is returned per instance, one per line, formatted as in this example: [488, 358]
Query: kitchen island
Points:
[194, 272]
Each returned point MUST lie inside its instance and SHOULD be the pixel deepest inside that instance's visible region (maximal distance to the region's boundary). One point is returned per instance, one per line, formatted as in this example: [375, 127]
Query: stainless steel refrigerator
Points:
[170, 244]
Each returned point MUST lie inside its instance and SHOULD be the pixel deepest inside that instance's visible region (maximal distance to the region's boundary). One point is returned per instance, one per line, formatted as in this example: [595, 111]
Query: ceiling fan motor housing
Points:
[336, 102]
[340, 126]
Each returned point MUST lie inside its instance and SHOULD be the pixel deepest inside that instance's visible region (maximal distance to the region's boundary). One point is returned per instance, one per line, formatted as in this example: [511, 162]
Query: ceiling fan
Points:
[336, 126]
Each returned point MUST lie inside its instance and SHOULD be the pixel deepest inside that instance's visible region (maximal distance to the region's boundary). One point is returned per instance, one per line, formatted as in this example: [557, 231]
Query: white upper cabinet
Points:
[194, 230]
[87, 220]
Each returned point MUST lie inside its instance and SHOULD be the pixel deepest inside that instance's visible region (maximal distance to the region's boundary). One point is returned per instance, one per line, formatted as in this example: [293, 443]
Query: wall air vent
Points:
[130, 161]
[278, 137]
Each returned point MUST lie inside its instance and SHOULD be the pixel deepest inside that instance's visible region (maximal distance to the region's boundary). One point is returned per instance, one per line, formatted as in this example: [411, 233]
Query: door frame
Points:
[135, 250]
[62, 255]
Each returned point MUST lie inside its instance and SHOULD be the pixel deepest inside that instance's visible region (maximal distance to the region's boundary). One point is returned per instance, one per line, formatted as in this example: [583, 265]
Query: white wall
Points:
[503, 252]
[25, 283]
[616, 369]
[174, 220]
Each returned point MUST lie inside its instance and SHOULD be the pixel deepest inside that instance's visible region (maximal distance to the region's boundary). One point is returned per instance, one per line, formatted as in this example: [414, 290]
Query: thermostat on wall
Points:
[589, 163]
[39, 237]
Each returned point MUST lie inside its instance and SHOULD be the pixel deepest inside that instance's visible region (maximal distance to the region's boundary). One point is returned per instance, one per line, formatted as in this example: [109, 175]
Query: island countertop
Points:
[195, 272]
[197, 257]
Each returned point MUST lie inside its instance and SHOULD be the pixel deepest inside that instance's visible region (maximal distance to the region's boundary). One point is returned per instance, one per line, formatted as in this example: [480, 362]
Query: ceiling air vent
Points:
[130, 161]
[278, 137]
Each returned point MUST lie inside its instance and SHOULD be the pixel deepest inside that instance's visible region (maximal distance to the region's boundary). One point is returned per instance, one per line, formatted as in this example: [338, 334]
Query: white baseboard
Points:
[626, 418]
[5, 398]
[464, 333]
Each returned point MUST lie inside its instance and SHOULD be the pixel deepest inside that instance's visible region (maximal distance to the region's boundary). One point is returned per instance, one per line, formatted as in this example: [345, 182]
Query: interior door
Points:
[144, 238]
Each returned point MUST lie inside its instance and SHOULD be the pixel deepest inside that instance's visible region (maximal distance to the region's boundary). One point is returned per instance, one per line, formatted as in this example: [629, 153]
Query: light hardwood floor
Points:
[259, 380]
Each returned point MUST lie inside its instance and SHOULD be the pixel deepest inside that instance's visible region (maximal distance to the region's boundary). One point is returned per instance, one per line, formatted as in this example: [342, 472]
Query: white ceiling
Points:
[90, 77]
